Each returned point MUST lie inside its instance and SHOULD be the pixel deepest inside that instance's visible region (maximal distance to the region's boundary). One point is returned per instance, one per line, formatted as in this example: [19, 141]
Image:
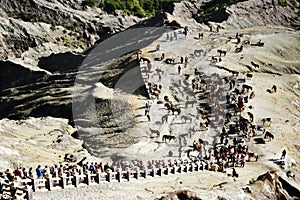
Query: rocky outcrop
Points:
[180, 195]
[260, 13]
[273, 186]
[15, 75]
[37, 27]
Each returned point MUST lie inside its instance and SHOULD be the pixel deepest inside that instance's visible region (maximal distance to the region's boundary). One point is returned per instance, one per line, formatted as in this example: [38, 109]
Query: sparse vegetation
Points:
[140, 8]
[53, 26]
[78, 37]
[282, 3]
[63, 38]
[82, 46]
[211, 6]
[90, 3]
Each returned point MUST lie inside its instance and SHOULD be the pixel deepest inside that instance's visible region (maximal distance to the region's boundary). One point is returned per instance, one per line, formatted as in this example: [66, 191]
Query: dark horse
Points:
[264, 120]
[269, 136]
[173, 108]
[221, 52]
[239, 49]
[168, 137]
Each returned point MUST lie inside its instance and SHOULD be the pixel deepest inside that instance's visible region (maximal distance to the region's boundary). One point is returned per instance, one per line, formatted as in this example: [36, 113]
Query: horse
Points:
[274, 88]
[252, 95]
[166, 98]
[168, 137]
[156, 90]
[172, 108]
[249, 76]
[143, 59]
[154, 131]
[264, 120]
[182, 139]
[146, 71]
[185, 118]
[200, 35]
[164, 119]
[190, 102]
[269, 136]
[246, 42]
[159, 71]
[255, 65]
[239, 110]
[198, 52]
[247, 87]
[251, 116]
[221, 52]
[155, 94]
[252, 155]
[202, 127]
[204, 142]
[258, 44]
[239, 49]
[170, 60]
[235, 73]
[175, 109]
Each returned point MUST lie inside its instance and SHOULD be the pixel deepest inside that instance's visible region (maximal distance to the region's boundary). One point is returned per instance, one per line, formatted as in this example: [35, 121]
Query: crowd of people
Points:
[233, 129]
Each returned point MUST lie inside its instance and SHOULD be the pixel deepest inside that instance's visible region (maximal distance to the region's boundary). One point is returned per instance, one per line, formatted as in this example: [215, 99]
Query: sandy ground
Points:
[273, 58]
[278, 61]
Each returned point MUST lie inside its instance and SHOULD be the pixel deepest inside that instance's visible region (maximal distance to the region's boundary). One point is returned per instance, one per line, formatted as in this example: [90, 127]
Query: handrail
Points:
[49, 183]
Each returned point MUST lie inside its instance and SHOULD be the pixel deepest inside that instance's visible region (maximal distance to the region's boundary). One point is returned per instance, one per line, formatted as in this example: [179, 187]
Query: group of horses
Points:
[186, 118]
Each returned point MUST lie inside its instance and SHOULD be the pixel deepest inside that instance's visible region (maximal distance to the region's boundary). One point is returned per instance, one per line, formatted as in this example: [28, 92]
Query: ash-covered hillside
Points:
[44, 43]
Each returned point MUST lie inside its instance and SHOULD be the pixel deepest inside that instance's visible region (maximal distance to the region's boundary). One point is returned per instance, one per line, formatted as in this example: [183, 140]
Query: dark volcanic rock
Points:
[51, 26]
[61, 63]
[14, 75]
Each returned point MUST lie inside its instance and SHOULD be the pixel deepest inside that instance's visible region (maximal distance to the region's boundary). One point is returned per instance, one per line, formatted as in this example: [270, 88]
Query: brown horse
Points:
[204, 142]
[252, 155]
[252, 95]
[175, 109]
[172, 108]
[269, 136]
[186, 117]
[264, 120]
[239, 110]
[154, 132]
[164, 119]
[203, 127]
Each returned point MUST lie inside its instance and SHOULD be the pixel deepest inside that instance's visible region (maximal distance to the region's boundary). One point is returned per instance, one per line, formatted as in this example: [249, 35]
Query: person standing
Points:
[274, 88]
[283, 154]
[157, 47]
[148, 117]
[243, 160]
[181, 60]
[175, 35]
[39, 172]
[179, 69]
[147, 107]
[234, 173]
